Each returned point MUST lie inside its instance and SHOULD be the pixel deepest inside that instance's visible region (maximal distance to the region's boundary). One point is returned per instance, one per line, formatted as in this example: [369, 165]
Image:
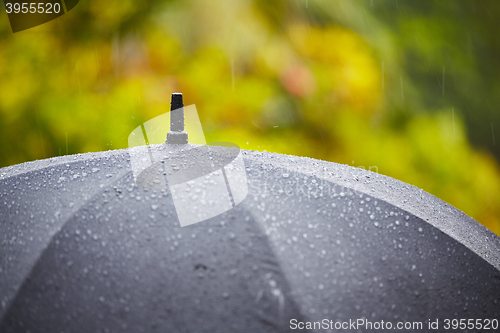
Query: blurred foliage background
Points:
[410, 89]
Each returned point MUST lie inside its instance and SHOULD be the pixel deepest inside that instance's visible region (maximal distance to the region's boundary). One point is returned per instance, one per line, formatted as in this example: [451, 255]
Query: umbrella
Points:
[86, 246]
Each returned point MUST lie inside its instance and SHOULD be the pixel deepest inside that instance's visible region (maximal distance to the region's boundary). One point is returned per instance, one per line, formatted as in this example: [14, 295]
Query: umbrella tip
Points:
[176, 101]
[177, 134]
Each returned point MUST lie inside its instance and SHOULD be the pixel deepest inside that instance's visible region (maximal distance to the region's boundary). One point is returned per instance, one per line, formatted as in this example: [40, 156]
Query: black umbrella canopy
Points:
[83, 248]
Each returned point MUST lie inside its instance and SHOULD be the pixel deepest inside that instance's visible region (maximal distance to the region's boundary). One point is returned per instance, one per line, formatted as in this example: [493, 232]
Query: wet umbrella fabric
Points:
[83, 248]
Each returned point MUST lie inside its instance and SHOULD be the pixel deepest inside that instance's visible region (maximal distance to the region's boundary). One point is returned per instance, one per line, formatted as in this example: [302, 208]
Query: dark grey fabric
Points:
[84, 248]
